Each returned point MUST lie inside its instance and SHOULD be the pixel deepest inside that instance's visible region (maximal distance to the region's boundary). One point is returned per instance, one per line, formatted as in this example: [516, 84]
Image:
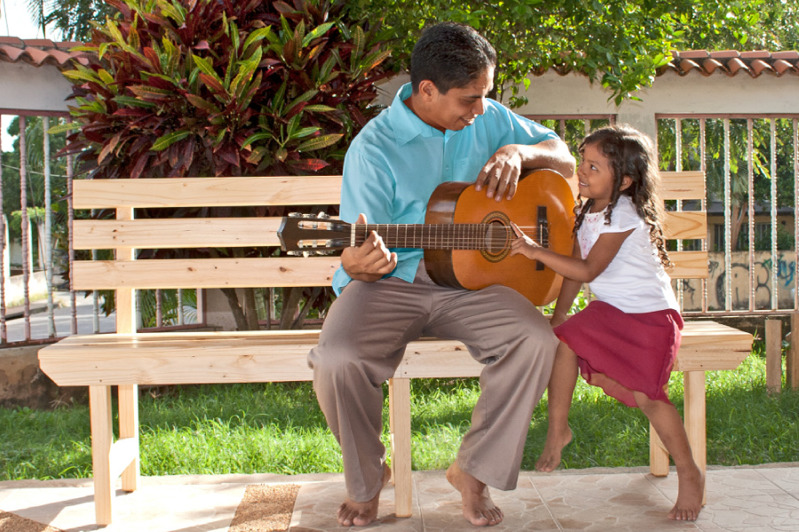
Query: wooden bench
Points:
[127, 358]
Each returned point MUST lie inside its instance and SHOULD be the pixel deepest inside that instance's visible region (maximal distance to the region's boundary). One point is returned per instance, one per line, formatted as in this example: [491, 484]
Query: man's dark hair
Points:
[450, 55]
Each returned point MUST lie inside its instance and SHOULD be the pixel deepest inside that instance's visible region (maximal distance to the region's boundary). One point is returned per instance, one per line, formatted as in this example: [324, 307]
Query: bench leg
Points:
[658, 455]
[399, 404]
[695, 418]
[102, 438]
[129, 430]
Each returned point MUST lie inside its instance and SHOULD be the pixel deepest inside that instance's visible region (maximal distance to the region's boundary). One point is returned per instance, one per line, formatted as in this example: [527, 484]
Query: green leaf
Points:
[257, 36]
[317, 32]
[64, 128]
[255, 138]
[167, 140]
[133, 102]
[322, 141]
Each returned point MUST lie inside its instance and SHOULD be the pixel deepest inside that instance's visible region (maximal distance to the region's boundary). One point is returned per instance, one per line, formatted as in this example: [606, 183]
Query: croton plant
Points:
[178, 88]
[223, 87]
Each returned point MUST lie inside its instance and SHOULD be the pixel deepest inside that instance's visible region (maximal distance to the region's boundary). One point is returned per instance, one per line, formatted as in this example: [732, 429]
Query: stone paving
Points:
[741, 499]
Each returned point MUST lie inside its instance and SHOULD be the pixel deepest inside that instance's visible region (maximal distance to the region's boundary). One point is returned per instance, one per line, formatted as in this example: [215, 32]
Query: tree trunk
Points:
[236, 309]
[291, 303]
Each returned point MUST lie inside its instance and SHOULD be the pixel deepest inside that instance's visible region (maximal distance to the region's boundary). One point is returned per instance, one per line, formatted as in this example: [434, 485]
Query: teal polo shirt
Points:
[393, 165]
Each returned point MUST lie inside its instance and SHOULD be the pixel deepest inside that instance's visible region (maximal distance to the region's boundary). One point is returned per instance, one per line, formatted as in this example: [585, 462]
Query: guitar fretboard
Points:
[492, 237]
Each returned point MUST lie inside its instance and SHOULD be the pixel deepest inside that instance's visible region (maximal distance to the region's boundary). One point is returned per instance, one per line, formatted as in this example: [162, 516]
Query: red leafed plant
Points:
[223, 87]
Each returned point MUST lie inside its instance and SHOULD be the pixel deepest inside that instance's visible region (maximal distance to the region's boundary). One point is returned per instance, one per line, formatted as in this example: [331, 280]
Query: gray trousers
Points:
[363, 340]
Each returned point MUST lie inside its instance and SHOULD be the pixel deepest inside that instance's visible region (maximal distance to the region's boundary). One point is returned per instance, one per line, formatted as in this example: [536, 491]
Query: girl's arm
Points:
[568, 291]
[576, 268]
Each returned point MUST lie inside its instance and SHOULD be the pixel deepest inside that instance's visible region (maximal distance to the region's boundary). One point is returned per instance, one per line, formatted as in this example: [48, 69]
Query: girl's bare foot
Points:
[553, 448]
[352, 513]
[690, 492]
[478, 508]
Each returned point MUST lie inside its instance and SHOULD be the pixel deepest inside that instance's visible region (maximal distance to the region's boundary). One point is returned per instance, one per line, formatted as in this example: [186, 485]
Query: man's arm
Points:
[500, 175]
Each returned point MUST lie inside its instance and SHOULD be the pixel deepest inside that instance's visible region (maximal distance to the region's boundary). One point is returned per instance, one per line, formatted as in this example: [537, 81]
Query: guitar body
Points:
[541, 195]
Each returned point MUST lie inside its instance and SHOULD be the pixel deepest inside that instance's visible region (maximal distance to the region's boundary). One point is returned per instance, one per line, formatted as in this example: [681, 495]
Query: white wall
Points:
[717, 94]
[26, 87]
[670, 93]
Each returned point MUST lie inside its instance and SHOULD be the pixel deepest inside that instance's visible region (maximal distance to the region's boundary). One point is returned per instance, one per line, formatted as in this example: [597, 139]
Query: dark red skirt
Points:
[621, 352]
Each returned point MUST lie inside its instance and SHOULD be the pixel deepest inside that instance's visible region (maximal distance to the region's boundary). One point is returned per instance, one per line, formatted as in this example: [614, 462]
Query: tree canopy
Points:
[618, 43]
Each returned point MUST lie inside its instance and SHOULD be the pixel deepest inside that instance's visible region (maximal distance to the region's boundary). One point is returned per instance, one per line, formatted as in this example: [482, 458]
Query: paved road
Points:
[62, 318]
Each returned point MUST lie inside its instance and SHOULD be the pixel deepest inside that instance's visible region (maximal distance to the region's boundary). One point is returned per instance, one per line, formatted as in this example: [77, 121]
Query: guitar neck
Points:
[435, 236]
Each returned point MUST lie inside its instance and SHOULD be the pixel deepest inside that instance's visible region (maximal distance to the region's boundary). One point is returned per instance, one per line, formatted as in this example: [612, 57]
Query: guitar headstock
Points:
[318, 234]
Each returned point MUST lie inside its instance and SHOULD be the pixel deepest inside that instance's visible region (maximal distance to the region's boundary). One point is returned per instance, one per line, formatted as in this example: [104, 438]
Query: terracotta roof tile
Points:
[38, 52]
[731, 62]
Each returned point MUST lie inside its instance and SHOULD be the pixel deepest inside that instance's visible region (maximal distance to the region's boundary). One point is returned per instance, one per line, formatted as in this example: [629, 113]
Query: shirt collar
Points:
[406, 125]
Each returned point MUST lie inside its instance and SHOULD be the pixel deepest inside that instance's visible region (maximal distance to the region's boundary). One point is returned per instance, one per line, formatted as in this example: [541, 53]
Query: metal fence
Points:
[752, 175]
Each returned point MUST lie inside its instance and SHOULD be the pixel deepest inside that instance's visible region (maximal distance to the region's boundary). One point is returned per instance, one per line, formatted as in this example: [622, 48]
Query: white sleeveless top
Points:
[635, 280]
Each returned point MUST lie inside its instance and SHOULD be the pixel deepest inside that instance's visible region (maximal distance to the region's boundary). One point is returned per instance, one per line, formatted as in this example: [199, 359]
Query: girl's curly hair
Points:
[630, 153]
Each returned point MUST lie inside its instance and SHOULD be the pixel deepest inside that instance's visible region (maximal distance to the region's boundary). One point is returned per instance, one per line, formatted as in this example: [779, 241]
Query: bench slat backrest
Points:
[126, 233]
[129, 233]
[686, 224]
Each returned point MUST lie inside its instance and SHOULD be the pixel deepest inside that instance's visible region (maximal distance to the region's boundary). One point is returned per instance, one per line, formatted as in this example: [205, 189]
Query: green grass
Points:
[279, 428]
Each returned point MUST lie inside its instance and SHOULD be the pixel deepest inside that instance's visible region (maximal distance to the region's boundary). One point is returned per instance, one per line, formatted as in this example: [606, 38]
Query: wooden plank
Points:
[400, 423]
[263, 356]
[685, 225]
[128, 411]
[709, 345]
[688, 265]
[658, 455]
[168, 233]
[206, 191]
[773, 355]
[696, 419]
[792, 364]
[102, 440]
[682, 185]
[204, 273]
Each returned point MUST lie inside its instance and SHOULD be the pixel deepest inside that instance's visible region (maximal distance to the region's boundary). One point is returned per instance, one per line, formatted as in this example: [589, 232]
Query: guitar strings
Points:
[446, 236]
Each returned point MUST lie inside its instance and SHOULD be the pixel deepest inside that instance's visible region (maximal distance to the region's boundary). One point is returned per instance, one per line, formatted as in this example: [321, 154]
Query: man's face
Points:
[459, 106]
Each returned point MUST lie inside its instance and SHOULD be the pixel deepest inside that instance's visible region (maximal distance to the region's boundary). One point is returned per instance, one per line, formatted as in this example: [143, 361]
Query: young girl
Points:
[626, 339]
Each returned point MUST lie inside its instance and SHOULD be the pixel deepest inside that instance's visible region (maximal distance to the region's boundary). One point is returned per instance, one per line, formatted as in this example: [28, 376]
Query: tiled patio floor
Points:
[750, 499]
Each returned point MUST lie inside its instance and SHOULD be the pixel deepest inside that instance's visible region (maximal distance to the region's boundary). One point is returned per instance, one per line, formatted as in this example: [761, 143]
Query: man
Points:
[440, 127]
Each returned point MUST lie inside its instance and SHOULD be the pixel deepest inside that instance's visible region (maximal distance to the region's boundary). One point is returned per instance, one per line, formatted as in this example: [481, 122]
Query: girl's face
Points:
[595, 177]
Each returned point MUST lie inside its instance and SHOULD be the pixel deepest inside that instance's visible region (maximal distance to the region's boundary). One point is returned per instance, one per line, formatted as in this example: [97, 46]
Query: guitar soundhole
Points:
[497, 237]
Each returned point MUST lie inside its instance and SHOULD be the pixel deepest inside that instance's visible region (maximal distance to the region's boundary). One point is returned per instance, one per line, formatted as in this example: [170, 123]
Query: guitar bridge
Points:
[543, 233]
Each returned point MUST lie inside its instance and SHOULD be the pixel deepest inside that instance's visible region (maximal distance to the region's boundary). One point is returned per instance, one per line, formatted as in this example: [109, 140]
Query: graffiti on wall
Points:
[740, 293]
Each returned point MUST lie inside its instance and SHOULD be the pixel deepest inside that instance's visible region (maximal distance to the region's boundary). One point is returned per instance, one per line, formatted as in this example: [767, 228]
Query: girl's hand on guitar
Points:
[500, 175]
[371, 260]
[523, 244]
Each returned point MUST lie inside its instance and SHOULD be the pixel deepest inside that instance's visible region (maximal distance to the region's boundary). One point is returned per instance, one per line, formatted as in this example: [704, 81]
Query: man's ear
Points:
[427, 89]
[626, 181]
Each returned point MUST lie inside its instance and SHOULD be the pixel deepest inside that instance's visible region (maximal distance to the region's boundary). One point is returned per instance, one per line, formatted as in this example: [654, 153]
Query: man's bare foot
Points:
[553, 448]
[478, 508]
[352, 513]
[690, 492]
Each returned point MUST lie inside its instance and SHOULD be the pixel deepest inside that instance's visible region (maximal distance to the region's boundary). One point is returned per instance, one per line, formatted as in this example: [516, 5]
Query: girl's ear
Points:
[626, 181]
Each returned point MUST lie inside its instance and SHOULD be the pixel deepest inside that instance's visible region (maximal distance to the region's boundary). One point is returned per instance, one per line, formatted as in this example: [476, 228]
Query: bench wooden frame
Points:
[127, 358]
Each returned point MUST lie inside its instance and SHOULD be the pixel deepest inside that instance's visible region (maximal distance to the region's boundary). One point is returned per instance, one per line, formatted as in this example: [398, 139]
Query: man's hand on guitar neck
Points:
[371, 260]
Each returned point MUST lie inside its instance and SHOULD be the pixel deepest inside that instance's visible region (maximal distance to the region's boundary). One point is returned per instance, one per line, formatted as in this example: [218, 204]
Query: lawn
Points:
[279, 428]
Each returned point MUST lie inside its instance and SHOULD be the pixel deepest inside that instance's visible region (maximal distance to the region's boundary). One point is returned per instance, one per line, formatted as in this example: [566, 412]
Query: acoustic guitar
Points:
[466, 236]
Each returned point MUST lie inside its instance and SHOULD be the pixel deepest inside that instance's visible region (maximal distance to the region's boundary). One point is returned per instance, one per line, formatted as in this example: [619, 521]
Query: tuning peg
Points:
[323, 215]
[294, 215]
